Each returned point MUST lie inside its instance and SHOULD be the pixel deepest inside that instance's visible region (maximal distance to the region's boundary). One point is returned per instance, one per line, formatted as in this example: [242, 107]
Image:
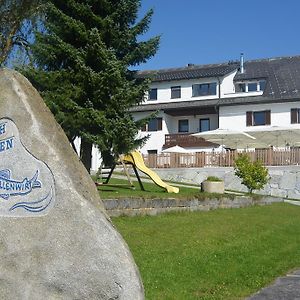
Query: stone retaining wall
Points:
[284, 182]
[139, 206]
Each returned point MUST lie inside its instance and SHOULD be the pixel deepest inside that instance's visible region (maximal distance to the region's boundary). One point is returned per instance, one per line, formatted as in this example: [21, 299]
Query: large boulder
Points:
[56, 241]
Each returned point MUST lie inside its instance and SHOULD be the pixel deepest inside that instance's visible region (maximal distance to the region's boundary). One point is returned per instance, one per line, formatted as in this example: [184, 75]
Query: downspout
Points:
[217, 105]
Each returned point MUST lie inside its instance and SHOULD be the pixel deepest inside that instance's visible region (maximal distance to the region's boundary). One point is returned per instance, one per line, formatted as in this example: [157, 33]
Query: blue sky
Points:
[213, 31]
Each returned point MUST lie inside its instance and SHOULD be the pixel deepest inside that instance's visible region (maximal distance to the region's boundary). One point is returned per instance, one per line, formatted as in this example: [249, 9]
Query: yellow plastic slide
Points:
[136, 158]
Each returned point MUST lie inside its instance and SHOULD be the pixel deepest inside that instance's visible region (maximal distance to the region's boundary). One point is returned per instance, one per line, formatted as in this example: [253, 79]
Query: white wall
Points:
[96, 155]
[157, 138]
[170, 126]
[227, 86]
[227, 89]
[164, 90]
[193, 122]
[234, 117]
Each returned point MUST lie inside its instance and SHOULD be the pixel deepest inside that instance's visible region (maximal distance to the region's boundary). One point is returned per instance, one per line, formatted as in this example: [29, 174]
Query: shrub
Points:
[253, 174]
[213, 178]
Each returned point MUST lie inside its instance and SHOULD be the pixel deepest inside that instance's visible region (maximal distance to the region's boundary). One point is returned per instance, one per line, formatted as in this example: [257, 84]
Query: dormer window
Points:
[240, 88]
[262, 85]
[251, 86]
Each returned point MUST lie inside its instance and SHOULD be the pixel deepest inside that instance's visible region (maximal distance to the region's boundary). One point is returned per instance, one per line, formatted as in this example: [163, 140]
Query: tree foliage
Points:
[82, 63]
[253, 174]
[16, 21]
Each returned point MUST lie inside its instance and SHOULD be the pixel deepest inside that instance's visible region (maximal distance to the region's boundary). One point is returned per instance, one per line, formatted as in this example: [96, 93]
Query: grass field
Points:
[120, 188]
[221, 254]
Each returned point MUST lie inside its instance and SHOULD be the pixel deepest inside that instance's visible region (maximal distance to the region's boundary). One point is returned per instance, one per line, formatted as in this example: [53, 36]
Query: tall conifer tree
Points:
[82, 68]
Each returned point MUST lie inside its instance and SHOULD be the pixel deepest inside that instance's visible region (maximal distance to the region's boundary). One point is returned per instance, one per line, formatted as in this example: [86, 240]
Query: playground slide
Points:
[136, 158]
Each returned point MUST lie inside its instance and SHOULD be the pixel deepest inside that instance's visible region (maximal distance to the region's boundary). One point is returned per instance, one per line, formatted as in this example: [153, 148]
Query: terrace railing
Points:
[269, 157]
[185, 140]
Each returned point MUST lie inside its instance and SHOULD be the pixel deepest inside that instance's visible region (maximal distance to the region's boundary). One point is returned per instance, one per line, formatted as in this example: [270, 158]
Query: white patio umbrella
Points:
[278, 136]
[175, 149]
[227, 137]
[244, 143]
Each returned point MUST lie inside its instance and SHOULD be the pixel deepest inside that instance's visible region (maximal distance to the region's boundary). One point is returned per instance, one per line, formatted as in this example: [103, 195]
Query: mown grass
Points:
[221, 254]
[119, 188]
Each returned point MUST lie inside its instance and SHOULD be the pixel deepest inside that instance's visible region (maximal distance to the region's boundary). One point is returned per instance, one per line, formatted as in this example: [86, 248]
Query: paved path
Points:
[284, 288]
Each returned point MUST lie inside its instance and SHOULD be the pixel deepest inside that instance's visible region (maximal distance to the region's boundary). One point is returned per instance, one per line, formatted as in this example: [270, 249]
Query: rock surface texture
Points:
[56, 241]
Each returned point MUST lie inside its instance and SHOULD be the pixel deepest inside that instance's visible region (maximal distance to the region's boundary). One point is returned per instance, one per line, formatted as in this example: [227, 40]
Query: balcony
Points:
[186, 140]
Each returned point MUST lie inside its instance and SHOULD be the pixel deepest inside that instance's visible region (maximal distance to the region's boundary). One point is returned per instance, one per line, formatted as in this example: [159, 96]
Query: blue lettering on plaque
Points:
[6, 144]
[9, 143]
[2, 128]
[10, 187]
[27, 186]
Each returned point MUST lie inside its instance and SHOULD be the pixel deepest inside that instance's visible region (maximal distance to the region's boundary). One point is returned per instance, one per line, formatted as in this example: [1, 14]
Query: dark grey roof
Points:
[176, 105]
[189, 72]
[255, 100]
[282, 77]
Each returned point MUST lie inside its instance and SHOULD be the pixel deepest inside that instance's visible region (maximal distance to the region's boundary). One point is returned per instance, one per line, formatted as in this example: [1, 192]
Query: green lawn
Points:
[120, 188]
[221, 254]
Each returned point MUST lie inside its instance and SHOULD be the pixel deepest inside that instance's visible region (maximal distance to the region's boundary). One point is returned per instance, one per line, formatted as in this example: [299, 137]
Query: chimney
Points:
[242, 63]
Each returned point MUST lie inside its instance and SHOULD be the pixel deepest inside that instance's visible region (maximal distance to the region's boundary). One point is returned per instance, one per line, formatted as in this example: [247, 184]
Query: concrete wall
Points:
[139, 206]
[284, 182]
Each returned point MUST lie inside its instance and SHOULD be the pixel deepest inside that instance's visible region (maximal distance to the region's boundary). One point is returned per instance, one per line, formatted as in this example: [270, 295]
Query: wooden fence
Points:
[269, 157]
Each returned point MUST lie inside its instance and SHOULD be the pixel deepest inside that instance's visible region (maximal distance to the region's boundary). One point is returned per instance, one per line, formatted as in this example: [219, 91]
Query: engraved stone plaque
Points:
[26, 183]
[56, 240]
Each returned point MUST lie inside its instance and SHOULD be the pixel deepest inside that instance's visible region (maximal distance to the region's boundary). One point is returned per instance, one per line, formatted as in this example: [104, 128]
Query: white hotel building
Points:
[235, 95]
